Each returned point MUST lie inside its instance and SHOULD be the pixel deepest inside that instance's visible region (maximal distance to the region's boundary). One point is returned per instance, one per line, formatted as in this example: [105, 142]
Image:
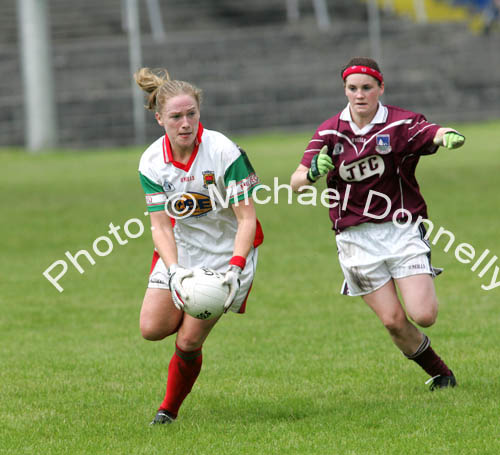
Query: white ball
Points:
[206, 294]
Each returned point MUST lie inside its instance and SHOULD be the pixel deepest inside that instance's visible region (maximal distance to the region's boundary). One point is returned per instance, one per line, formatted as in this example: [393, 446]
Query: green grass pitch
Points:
[305, 371]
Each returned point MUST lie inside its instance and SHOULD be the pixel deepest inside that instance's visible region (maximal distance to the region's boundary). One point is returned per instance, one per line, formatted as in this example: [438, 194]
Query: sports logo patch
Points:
[362, 169]
[208, 178]
[338, 149]
[383, 144]
[167, 186]
[184, 205]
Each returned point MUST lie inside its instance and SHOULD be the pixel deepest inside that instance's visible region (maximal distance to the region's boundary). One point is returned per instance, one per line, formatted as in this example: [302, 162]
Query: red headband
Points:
[363, 70]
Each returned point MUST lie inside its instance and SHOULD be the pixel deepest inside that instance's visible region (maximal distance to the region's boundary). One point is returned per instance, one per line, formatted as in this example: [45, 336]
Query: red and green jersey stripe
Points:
[155, 196]
[242, 175]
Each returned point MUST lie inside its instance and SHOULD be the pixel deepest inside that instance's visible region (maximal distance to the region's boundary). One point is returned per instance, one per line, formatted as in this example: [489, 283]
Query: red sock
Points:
[432, 363]
[183, 370]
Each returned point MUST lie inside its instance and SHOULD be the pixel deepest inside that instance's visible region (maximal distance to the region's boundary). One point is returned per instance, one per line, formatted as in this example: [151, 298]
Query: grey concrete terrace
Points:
[255, 77]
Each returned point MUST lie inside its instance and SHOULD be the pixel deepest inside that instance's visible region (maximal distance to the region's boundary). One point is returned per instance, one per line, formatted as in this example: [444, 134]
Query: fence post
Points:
[135, 62]
[156, 21]
[322, 16]
[420, 11]
[375, 30]
[292, 11]
[38, 81]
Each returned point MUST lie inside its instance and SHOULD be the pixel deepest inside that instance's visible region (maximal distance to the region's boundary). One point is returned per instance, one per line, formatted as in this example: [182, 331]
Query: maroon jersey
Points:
[379, 159]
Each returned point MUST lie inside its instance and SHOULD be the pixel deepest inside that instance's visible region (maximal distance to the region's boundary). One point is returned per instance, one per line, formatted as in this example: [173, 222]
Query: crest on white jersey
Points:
[208, 178]
[167, 186]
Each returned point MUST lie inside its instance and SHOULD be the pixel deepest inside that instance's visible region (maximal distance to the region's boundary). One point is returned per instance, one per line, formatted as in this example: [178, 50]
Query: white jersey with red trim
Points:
[182, 190]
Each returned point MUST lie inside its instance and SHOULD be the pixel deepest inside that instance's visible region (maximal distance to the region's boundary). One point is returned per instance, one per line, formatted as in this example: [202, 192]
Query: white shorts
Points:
[372, 254]
[158, 277]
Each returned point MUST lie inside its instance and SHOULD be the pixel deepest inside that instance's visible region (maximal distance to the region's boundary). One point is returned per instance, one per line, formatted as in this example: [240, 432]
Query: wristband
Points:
[238, 261]
[309, 177]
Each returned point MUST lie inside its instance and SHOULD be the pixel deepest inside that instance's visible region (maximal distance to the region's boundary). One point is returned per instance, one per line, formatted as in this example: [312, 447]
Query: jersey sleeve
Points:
[313, 148]
[240, 178]
[420, 136]
[155, 196]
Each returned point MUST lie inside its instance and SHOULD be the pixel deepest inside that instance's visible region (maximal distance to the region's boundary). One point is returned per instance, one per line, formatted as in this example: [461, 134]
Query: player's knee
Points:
[151, 332]
[426, 314]
[426, 318]
[152, 336]
[188, 342]
[395, 323]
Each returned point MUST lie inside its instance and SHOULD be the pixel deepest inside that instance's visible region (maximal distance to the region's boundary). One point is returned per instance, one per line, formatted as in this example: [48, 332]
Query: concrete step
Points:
[254, 77]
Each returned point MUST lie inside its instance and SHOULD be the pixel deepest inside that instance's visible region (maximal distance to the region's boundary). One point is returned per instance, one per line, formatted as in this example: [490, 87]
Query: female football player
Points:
[369, 152]
[190, 229]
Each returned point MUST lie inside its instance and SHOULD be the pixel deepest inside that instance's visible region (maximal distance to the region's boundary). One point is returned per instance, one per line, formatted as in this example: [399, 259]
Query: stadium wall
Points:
[258, 72]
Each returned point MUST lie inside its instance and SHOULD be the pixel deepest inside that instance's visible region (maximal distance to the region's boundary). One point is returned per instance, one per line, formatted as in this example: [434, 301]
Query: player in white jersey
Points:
[369, 152]
[198, 187]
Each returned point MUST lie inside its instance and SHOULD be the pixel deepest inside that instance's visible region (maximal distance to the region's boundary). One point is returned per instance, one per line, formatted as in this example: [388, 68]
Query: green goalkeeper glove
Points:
[453, 140]
[320, 165]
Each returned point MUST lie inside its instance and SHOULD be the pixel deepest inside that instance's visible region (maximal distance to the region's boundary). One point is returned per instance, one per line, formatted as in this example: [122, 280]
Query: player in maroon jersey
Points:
[369, 153]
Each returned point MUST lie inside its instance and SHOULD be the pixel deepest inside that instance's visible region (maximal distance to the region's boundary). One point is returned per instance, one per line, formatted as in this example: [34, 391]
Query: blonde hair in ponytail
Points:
[160, 88]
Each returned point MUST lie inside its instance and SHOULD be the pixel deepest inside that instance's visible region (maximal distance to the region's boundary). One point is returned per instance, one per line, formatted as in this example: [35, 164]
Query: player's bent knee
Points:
[152, 332]
[395, 324]
[189, 343]
[426, 319]
[153, 336]
[425, 315]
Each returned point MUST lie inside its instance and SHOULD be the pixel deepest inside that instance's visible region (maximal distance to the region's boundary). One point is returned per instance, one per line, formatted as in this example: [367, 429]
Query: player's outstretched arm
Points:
[449, 138]
[299, 178]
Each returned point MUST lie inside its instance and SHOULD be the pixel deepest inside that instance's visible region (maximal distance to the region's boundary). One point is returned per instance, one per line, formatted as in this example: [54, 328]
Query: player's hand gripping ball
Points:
[232, 281]
[204, 293]
[176, 274]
